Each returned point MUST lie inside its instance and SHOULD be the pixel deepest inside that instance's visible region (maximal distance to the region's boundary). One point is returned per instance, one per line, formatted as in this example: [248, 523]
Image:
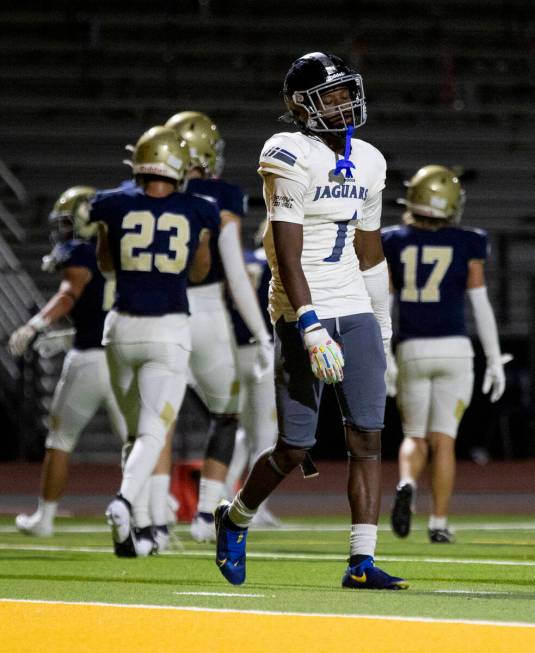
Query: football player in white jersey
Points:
[214, 368]
[328, 295]
[434, 264]
[84, 384]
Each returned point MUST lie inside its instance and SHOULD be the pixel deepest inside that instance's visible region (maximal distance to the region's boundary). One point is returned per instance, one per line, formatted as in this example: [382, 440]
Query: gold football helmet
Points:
[435, 192]
[160, 152]
[204, 141]
[70, 214]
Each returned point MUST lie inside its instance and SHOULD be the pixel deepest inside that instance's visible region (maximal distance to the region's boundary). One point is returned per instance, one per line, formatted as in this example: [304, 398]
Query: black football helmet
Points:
[313, 75]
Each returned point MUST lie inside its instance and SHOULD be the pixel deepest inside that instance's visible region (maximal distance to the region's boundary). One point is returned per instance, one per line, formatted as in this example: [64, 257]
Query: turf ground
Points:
[69, 593]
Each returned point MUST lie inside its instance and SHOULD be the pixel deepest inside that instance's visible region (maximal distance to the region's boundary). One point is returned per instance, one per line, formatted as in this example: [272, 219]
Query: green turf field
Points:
[488, 575]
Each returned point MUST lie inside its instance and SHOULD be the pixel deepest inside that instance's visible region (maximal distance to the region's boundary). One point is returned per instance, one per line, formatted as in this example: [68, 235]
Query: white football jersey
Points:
[330, 208]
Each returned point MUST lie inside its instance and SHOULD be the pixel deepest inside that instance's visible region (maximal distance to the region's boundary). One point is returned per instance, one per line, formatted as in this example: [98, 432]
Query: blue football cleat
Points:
[366, 576]
[230, 547]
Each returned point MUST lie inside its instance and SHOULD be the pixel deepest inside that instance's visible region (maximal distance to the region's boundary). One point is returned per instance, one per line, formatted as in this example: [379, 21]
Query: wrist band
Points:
[38, 323]
[307, 318]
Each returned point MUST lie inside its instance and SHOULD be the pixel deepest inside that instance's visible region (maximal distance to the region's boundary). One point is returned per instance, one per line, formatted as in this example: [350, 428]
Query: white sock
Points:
[140, 507]
[438, 523]
[409, 480]
[140, 464]
[159, 489]
[239, 513]
[48, 511]
[210, 494]
[363, 539]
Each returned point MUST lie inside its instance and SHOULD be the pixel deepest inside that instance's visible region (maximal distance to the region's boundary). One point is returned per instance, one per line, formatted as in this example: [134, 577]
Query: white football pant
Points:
[84, 386]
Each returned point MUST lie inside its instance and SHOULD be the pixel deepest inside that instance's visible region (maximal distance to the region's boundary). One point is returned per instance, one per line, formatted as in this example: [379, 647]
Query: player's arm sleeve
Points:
[373, 204]
[377, 285]
[485, 321]
[239, 282]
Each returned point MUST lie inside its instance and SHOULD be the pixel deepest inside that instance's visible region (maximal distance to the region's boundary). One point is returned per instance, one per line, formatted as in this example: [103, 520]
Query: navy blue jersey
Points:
[152, 243]
[429, 271]
[261, 274]
[229, 197]
[89, 311]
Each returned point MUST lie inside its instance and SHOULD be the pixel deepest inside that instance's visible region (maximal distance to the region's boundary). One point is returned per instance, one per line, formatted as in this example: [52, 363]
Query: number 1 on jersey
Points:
[439, 257]
[339, 243]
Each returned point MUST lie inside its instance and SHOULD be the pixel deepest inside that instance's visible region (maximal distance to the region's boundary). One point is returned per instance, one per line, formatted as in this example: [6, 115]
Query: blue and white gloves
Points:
[326, 358]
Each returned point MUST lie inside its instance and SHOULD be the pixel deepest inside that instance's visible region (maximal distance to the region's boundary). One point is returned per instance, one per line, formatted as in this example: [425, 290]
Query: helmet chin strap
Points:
[345, 163]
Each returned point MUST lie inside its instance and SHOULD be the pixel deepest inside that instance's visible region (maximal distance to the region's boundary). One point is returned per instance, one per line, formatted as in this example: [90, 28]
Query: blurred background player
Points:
[329, 291]
[258, 416]
[84, 384]
[433, 264]
[213, 357]
[152, 238]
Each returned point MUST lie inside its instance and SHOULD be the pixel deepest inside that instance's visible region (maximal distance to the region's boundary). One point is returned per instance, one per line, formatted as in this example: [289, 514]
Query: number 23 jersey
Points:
[429, 271]
[152, 242]
[330, 207]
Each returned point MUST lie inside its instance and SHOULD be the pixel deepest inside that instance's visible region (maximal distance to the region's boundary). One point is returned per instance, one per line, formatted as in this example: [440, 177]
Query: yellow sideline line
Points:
[39, 627]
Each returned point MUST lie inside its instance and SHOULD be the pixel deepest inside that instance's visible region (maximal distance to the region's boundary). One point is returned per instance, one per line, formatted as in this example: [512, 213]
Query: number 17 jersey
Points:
[429, 271]
[152, 243]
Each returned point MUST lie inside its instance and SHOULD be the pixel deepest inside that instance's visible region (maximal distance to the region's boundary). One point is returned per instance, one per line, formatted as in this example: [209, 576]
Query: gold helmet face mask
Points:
[435, 192]
[160, 152]
[70, 215]
[204, 141]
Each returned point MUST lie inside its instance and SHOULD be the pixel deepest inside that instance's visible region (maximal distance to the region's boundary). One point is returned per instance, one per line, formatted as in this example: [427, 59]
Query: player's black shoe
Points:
[441, 536]
[402, 511]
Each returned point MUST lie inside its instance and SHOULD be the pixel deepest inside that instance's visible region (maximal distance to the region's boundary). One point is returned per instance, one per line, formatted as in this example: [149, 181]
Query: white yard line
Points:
[325, 557]
[304, 528]
[233, 594]
[473, 593]
[317, 615]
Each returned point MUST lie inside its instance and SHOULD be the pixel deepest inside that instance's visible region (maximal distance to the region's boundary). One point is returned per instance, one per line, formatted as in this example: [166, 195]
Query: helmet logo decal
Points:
[173, 161]
[438, 202]
[334, 76]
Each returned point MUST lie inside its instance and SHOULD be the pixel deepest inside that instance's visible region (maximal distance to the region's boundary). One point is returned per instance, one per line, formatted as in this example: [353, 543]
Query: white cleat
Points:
[202, 530]
[144, 542]
[33, 525]
[118, 517]
[161, 537]
[264, 518]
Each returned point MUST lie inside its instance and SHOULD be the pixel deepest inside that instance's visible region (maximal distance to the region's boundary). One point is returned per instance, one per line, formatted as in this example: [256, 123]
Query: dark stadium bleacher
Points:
[448, 83]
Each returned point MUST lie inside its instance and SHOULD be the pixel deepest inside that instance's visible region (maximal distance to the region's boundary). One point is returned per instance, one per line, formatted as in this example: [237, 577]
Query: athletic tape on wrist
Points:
[38, 323]
[307, 318]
